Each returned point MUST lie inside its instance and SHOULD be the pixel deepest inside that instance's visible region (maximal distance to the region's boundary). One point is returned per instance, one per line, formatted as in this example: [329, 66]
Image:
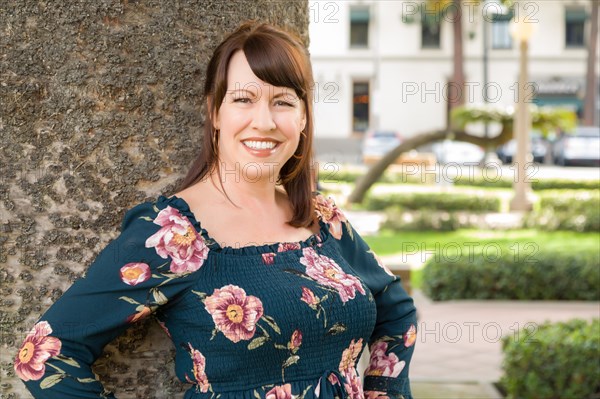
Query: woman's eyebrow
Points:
[286, 93]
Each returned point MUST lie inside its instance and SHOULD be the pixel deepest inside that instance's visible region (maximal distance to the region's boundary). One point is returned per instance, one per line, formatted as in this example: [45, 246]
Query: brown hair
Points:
[279, 58]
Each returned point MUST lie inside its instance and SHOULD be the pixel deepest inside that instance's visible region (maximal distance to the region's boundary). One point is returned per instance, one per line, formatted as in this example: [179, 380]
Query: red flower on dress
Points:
[295, 341]
[37, 348]
[280, 392]
[288, 246]
[382, 364]
[135, 273]
[235, 314]
[178, 239]
[330, 214]
[268, 258]
[328, 273]
[411, 336]
[309, 298]
[353, 385]
[199, 362]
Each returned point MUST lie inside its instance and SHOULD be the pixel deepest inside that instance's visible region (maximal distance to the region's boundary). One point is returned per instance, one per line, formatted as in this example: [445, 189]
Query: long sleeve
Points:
[392, 342]
[130, 278]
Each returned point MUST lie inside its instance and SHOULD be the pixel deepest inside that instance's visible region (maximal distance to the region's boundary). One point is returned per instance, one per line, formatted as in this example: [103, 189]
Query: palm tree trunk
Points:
[457, 96]
[591, 80]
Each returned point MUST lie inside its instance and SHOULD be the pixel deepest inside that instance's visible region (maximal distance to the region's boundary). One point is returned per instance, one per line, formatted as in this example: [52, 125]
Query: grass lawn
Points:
[388, 242]
[523, 243]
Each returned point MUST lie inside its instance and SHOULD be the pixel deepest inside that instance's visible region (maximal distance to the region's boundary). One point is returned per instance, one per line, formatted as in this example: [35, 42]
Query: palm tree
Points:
[591, 79]
[454, 9]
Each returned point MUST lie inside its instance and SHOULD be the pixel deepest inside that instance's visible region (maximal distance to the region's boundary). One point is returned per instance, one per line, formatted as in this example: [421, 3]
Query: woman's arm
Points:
[129, 279]
[392, 342]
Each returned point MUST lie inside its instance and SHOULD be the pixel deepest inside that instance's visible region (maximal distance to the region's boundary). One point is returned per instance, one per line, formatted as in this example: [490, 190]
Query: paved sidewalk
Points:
[458, 350]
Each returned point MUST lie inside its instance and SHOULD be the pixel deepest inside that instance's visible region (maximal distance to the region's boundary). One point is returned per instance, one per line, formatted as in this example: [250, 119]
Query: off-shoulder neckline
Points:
[180, 204]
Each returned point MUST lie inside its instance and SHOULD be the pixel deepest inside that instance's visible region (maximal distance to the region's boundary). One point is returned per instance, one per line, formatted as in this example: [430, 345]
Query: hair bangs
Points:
[273, 62]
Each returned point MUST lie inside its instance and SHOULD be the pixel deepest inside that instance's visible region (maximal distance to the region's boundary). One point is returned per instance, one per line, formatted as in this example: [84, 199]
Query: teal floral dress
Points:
[276, 321]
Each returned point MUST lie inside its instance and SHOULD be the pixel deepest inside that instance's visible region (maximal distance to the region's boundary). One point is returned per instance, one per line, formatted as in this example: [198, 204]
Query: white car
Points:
[459, 152]
[377, 143]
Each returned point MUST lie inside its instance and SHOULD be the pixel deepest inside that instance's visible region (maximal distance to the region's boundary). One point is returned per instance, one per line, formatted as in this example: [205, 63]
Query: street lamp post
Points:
[521, 32]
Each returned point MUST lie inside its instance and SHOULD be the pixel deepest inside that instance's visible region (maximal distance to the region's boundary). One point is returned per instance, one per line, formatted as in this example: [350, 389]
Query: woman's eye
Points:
[243, 100]
[284, 103]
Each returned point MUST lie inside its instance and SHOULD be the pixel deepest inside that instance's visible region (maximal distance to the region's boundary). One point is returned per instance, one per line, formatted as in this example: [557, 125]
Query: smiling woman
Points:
[264, 287]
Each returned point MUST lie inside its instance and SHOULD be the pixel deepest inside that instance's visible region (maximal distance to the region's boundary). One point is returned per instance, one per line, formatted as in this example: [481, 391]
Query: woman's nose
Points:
[263, 118]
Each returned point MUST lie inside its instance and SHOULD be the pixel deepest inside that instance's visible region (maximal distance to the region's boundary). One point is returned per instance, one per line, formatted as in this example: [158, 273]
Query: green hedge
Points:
[521, 272]
[566, 210]
[536, 184]
[438, 201]
[552, 361]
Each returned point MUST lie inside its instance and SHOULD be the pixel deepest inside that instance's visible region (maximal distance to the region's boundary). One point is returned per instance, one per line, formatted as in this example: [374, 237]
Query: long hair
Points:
[279, 58]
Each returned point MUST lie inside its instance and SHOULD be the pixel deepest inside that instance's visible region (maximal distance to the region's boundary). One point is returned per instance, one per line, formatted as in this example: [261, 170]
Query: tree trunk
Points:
[591, 80]
[457, 88]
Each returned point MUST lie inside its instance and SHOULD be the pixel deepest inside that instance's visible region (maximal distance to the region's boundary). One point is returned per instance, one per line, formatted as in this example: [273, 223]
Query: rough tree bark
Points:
[99, 110]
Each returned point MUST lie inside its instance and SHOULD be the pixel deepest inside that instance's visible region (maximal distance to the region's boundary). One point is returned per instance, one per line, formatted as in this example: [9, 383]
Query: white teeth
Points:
[260, 145]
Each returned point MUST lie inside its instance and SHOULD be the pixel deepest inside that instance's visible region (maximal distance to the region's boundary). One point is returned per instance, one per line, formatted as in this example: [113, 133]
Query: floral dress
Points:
[275, 321]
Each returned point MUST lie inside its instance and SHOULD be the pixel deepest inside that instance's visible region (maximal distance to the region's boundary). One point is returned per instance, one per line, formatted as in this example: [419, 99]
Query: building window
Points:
[360, 106]
[430, 30]
[359, 27]
[575, 27]
[501, 38]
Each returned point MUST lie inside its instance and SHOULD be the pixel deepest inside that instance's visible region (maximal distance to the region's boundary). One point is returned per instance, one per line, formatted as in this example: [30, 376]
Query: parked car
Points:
[539, 148]
[582, 147]
[459, 152]
[377, 143]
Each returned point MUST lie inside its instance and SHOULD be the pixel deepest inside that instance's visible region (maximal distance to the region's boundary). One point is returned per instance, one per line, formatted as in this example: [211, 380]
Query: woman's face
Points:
[259, 125]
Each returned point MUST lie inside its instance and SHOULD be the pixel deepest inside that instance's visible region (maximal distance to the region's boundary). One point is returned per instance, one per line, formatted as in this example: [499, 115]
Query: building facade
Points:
[386, 65]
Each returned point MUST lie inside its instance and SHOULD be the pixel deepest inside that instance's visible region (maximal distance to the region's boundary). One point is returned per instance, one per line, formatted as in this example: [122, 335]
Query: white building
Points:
[377, 66]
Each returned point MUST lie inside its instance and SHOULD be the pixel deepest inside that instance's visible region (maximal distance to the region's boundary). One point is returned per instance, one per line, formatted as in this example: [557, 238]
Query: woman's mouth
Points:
[260, 145]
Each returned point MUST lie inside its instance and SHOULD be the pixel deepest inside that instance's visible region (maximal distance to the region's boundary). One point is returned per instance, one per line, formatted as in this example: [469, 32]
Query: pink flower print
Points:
[288, 246]
[268, 258]
[142, 312]
[37, 348]
[178, 239]
[382, 364]
[328, 273]
[199, 362]
[350, 355]
[411, 336]
[333, 380]
[280, 392]
[164, 327]
[353, 386]
[295, 341]
[330, 214]
[234, 313]
[309, 298]
[376, 395]
[382, 265]
[135, 273]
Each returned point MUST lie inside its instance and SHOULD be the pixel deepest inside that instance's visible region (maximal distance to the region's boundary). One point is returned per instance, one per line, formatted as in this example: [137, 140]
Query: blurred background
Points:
[463, 139]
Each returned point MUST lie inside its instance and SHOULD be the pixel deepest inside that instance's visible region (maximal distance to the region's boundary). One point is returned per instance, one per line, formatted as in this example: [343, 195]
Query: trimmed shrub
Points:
[567, 210]
[439, 201]
[503, 273]
[553, 360]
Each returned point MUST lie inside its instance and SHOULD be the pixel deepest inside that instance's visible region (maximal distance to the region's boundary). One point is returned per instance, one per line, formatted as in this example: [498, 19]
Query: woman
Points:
[264, 287]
